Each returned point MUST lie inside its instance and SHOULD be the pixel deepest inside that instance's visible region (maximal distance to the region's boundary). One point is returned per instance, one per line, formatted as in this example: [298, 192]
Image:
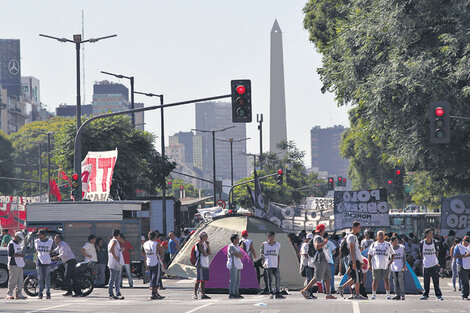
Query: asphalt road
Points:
[179, 299]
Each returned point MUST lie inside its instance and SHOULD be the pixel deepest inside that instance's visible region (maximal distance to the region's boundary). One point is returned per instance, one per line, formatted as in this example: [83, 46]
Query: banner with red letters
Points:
[97, 174]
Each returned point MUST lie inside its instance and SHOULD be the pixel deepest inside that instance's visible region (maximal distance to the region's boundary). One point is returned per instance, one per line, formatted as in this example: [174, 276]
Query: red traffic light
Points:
[280, 172]
[181, 187]
[439, 111]
[389, 181]
[398, 172]
[330, 180]
[240, 89]
[169, 183]
[340, 178]
[75, 176]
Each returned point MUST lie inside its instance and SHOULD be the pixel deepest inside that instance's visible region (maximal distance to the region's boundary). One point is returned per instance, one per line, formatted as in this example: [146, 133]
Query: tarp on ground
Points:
[412, 283]
[219, 231]
[220, 275]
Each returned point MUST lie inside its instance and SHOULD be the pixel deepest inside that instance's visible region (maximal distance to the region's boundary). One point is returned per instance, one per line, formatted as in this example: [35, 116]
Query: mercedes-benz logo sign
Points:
[14, 66]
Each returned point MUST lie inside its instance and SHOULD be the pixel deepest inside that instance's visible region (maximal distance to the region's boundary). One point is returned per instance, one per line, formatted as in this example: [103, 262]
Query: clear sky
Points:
[182, 48]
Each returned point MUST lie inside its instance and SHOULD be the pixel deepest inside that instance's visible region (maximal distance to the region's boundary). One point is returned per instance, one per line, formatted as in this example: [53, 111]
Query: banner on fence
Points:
[455, 215]
[369, 207]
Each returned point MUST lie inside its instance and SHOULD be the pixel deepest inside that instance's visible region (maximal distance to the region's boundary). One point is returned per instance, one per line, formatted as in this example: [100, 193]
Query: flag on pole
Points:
[63, 176]
[54, 190]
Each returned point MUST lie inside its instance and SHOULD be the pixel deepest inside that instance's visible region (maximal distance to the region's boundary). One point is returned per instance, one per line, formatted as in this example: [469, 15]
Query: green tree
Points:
[139, 165]
[7, 162]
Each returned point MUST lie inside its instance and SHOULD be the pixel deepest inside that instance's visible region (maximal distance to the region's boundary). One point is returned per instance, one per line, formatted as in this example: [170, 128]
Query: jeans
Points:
[234, 283]
[309, 273]
[44, 277]
[70, 277]
[100, 273]
[455, 275]
[127, 268]
[114, 281]
[399, 283]
[428, 273]
[274, 271]
[464, 276]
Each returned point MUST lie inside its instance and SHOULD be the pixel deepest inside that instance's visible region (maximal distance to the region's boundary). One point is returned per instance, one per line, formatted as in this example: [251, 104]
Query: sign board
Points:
[297, 219]
[319, 204]
[101, 174]
[368, 207]
[455, 215]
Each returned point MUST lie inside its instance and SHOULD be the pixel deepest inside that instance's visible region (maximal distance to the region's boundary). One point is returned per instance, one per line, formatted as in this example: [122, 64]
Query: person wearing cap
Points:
[15, 266]
[43, 246]
[202, 250]
[320, 262]
[247, 245]
[462, 255]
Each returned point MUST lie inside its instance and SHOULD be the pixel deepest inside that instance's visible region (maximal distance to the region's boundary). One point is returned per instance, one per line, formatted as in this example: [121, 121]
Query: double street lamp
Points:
[231, 141]
[78, 40]
[213, 154]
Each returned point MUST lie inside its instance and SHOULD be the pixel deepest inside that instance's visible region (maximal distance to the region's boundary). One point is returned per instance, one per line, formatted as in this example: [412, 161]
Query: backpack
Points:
[311, 249]
[193, 258]
[344, 248]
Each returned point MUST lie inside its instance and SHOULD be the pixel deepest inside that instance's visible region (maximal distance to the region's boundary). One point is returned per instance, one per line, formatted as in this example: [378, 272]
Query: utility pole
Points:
[259, 119]
[40, 172]
[131, 79]
[231, 141]
[48, 166]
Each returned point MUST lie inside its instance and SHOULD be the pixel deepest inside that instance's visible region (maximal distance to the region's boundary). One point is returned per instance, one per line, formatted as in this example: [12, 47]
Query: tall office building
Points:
[218, 115]
[185, 139]
[10, 67]
[325, 151]
[277, 99]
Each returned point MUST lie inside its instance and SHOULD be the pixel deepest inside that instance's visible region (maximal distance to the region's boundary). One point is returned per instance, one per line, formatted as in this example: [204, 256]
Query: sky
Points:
[184, 49]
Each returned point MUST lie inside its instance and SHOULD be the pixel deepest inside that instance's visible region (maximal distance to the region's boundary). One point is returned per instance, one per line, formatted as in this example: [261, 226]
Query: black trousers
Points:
[70, 277]
[428, 273]
[464, 277]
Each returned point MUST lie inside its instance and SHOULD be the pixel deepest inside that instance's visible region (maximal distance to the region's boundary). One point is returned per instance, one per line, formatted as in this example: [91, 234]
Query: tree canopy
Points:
[6, 161]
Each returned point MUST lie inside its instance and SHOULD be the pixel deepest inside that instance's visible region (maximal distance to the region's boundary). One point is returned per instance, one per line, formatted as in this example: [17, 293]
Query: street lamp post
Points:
[231, 141]
[213, 155]
[131, 78]
[77, 40]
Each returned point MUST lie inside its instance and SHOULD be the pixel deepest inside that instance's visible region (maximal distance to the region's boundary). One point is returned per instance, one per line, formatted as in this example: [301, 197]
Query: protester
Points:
[247, 245]
[322, 267]
[89, 251]
[15, 266]
[367, 241]
[355, 262]
[6, 238]
[343, 259]
[270, 252]
[126, 248]
[330, 257]
[462, 254]
[429, 251]
[202, 250]
[100, 268]
[306, 267]
[398, 269]
[151, 248]
[380, 255]
[4, 233]
[43, 246]
[173, 245]
[455, 271]
[115, 263]
[235, 266]
[67, 256]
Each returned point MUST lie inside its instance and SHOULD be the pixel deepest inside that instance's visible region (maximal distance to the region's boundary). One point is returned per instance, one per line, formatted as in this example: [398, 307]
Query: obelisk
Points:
[277, 117]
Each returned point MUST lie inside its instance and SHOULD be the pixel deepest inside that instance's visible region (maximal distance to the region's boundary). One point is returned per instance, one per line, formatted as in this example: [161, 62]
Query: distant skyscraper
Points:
[325, 151]
[10, 67]
[277, 117]
[217, 115]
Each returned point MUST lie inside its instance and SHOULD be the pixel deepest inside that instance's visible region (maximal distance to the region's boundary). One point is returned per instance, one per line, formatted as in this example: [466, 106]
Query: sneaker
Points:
[330, 297]
[10, 297]
[195, 297]
[232, 297]
[396, 298]
[239, 297]
[360, 297]
[153, 297]
[112, 297]
[48, 296]
[424, 298]
[20, 297]
[304, 294]
[40, 296]
[280, 296]
[67, 294]
[373, 297]
[351, 297]
[440, 299]
[341, 291]
[403, 298]
[389, 297]
[119, 297]
[264, 292]
[205, 297]
[271, 297]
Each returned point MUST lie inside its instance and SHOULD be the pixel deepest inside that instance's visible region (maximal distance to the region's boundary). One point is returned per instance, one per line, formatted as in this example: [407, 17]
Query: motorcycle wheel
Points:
[86, 285]
[30, 286]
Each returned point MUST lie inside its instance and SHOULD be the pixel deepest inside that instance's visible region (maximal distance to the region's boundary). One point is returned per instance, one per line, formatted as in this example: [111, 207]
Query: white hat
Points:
[19, 235]
[310, 236]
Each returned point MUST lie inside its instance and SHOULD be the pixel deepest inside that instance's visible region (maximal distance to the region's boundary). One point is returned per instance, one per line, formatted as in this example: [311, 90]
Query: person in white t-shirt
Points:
[115, 262]
[398, 268]
[43, 247]
[152, 263]
[429, 250]
[235, 266]
[202, 250]
[270, 250]
[89, 251]
[462, 256]
[381, 255]
[15, 266]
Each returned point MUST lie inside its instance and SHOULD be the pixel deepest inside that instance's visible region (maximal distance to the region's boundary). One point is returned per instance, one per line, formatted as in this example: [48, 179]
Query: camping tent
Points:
[220, 275]
[412, 284]
[219, 231]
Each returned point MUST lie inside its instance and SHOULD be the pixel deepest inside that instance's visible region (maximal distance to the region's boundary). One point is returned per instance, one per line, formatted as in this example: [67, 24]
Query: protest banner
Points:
[369, 207]
[314, 203]
[455, 215]
[297, 219]
[96, 182]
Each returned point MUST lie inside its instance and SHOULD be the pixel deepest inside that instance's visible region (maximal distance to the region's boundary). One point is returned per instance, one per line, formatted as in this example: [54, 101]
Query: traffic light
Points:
[440, 122]
[398, 173]
[344, 182]
[75, 182]
[241, 101]
[340, 181]
[170, 184]
[331, 183]
[181, 187]
[280, 177]
[389, 182]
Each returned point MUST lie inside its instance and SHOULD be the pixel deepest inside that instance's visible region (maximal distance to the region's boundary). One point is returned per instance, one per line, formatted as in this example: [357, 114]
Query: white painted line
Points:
[50, 308]
[355, 305]
[186, 281]
[199, 307]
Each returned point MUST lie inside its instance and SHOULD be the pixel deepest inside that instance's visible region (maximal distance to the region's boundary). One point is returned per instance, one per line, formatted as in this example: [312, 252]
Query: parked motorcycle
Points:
[83, 272]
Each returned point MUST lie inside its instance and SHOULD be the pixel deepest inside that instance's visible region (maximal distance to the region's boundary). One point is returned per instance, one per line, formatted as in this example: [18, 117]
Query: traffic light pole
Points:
[259, 119]
[230, 193]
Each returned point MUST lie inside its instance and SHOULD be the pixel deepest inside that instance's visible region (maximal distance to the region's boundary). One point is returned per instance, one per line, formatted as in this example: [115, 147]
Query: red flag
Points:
[63, 176]
[55, 190]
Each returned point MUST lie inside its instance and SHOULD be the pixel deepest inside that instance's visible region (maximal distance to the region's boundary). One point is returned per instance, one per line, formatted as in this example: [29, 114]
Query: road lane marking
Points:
[355, 305]
[199, 307]
[50, 308]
